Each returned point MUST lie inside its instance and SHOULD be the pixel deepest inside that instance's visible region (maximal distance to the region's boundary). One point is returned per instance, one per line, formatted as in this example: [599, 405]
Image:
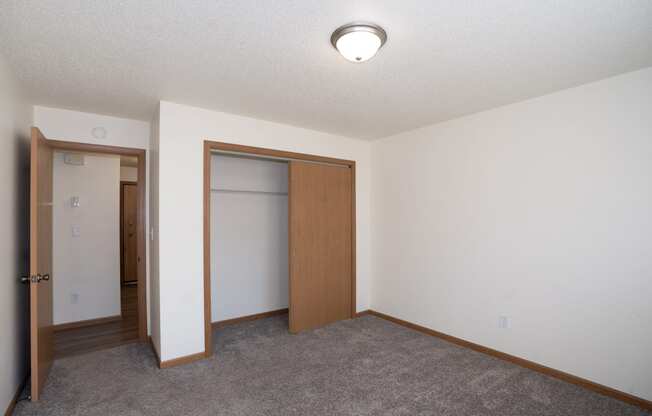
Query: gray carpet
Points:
[365, 366]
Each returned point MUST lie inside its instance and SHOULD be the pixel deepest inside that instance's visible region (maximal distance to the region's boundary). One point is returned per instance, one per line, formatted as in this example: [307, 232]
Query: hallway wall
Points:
[86, 239]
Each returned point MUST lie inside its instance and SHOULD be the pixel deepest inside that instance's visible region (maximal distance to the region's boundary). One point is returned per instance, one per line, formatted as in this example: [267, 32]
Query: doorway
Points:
[75, 209]
[317, 198]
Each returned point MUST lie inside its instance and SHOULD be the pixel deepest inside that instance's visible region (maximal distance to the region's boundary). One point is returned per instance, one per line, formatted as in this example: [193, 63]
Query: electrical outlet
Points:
[503, 322]
[74, 298]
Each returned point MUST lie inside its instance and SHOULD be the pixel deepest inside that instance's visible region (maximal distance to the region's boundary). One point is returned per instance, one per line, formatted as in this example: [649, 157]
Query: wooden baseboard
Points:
[569, 378]
[262, 315]
[12, 404]
[177, 361]
[88, 322]
[182, 360]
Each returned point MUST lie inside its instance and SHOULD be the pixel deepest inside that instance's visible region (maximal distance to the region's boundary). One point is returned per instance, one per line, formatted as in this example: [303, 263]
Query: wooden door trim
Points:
[273, 153]
[210, 146]
[208, 329]
[354, 267]
[141, 155]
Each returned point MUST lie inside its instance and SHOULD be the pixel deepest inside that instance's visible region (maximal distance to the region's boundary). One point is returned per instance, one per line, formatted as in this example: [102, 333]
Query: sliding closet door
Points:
[320, 211]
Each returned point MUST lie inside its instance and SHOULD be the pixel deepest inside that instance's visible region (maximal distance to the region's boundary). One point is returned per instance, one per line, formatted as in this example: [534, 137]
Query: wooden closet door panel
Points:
[320, 210]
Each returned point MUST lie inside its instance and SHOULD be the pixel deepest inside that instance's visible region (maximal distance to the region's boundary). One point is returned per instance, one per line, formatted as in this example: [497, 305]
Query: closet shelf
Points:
[241, 191]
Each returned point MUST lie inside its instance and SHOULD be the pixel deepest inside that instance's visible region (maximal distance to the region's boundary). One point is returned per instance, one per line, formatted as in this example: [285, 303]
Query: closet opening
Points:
[249, 238]
[279, 237]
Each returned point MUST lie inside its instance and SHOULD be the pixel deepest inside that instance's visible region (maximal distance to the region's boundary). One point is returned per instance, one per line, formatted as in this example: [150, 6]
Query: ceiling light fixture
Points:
[358, 42]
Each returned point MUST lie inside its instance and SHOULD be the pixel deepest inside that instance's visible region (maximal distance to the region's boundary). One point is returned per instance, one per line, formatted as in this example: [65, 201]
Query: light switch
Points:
[74, 201]
[76, 230]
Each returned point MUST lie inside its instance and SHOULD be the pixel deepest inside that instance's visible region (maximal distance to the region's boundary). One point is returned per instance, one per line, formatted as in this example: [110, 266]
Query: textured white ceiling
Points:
[273, 60]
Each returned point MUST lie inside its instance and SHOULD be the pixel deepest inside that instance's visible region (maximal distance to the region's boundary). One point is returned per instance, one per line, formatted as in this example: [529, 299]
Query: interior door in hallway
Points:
[40, 279]
[129, 216]
[320, 239]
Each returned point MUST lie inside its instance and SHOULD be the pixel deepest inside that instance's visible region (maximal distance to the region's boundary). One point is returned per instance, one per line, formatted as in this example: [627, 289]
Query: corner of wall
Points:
[154, 287]
[15, 122]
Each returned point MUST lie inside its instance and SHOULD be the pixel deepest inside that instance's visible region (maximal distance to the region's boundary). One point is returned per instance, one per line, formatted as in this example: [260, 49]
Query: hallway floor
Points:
[102, 336]
[364, 366]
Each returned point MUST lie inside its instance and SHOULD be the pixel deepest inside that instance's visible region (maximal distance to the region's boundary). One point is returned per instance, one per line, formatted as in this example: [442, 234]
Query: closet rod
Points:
[239, 191]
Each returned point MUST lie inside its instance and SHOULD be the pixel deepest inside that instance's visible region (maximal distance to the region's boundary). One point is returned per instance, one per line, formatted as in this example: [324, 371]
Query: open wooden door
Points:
[320, 210]
[40, 247]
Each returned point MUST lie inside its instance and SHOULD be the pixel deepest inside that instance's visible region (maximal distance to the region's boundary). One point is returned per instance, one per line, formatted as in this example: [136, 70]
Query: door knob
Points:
[34, 279]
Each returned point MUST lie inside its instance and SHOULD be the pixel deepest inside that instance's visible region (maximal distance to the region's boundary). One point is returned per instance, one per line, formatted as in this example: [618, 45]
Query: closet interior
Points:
[249, 236]
[281, 237]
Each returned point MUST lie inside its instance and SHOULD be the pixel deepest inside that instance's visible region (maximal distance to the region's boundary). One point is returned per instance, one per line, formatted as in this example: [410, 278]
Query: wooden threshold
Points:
[85, 323]
[569, 378]
[262, 315]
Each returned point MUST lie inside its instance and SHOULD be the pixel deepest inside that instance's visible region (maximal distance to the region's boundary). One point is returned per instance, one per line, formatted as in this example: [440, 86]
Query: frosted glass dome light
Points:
[358, 42]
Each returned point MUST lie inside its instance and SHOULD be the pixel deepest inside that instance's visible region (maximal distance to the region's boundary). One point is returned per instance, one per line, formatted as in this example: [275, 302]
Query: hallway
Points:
[85, 339]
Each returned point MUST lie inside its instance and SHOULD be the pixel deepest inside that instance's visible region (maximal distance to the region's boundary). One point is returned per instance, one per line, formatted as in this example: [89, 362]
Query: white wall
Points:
[15, 120]
[539, 211]
[249, 237]
[183, 130]
[77, 126]
[86, 264]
